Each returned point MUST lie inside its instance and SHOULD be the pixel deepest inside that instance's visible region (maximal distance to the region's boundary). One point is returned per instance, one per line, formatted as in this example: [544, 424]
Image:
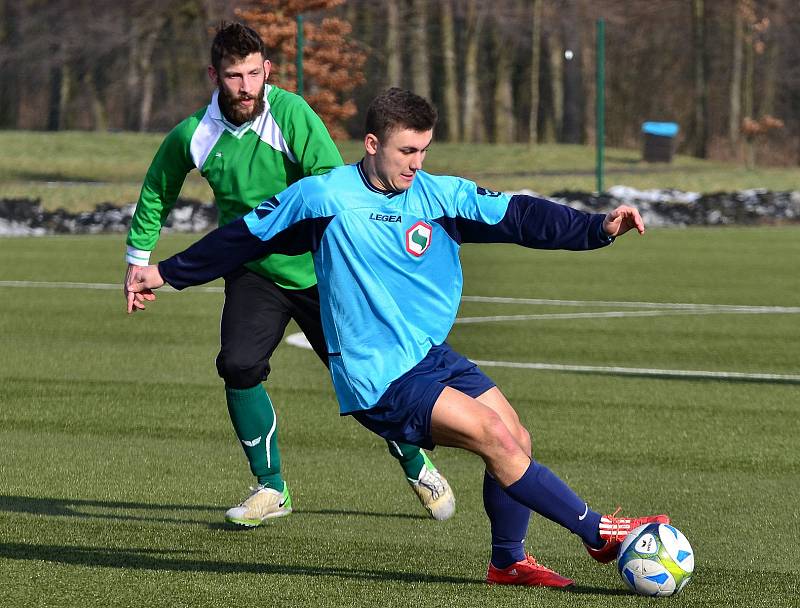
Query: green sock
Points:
[409, 456]
[253, 419]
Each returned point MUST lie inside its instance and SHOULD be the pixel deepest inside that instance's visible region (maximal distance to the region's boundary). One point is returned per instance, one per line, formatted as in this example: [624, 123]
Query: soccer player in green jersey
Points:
[249, 143]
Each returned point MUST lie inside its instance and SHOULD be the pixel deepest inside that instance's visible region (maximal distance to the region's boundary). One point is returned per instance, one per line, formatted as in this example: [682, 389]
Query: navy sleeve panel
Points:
[537, 223]
[223, 250]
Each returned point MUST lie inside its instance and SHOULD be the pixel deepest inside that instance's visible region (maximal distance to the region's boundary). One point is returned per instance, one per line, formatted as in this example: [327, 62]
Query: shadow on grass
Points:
[67, 507]
[339, 512]
[156, 559]
[85, 509]
[580, 590]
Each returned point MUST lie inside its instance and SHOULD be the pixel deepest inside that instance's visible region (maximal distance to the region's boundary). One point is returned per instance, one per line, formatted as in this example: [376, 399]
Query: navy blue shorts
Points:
[403, 412]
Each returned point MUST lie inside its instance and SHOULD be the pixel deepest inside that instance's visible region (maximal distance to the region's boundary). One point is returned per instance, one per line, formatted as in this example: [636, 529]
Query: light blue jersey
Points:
[386, 262]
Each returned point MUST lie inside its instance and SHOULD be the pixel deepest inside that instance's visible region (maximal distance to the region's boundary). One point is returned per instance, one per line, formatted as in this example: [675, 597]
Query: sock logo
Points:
[585, 513]
[252, 443]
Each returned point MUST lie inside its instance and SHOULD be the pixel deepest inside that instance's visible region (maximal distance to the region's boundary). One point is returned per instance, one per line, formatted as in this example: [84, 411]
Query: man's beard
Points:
[235, 113]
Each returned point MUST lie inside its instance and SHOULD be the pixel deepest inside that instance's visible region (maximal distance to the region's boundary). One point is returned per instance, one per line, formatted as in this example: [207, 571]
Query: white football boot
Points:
[433, 491]
[262, 504]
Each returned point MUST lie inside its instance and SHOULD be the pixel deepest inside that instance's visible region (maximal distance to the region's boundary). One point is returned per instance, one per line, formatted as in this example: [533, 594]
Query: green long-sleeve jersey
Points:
[244, 165]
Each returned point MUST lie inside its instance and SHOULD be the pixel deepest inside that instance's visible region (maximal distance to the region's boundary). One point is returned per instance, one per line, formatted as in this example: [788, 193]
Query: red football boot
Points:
[527, 572]
[614, 529]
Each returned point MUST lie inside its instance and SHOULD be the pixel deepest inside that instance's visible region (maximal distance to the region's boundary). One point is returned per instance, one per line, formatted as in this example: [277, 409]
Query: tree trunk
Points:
[146, 69]
[749, 69]
[394, 60]
[450, 81]
[99, 116]
[9, 98]
[60, 92]
[749, 94]
[700, 134]
[420, 67]
[770, 79]
[133, 80]
[735, 117]
[536, 57]
[473, 121]
[53, 116]
[574, 95]
[555, 120]
[503, 106]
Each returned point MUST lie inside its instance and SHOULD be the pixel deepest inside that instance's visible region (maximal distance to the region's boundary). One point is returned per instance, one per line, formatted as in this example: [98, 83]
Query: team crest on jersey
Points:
[418, 238]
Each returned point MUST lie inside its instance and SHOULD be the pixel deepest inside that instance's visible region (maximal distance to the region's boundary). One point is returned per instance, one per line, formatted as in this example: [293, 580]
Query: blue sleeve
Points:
[282, 224]
[484, 216]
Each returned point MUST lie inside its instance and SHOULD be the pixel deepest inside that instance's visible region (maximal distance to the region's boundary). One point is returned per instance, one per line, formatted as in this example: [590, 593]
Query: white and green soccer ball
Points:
[656, 560]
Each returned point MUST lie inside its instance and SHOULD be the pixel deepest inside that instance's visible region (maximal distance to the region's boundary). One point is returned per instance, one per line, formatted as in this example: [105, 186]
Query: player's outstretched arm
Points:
[622, 219]
[140, 281]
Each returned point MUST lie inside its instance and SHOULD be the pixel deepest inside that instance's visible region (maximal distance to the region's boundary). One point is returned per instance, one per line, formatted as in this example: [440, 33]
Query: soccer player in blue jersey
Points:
[385, 236]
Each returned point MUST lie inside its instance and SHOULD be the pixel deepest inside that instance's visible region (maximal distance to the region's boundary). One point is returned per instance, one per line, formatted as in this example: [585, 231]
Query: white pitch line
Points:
[656, 309]
[98, 286]
[486, 299]
[609, 303]
[615, 314]
[299, 340]
[642, 371]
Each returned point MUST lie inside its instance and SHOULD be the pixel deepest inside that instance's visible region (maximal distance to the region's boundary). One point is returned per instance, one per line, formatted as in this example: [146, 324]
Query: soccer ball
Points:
[656, 559]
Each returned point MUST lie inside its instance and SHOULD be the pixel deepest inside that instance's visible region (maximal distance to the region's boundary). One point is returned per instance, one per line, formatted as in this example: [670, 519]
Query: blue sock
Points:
[509, 520]
[541, 490]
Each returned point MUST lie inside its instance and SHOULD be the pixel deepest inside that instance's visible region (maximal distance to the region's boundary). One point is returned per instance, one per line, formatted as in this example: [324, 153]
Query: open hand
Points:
[622, 219]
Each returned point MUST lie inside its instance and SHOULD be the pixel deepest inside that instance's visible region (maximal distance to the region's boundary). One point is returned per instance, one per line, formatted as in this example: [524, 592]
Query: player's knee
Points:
[499, 436]
[240, 373]
[524, 439]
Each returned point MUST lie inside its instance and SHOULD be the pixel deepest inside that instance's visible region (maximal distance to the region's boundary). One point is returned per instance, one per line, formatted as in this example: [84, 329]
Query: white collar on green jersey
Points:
[214, 124]
[237, 130]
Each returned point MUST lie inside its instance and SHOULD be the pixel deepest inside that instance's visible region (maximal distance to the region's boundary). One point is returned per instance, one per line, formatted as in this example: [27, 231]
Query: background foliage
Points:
[499, 70]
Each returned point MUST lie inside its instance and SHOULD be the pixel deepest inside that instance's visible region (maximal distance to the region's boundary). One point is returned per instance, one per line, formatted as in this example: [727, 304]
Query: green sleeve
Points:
[306, 134]
[162, 184]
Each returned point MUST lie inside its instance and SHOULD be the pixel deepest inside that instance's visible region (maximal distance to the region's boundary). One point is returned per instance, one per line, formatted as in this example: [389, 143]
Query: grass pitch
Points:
[117, 458]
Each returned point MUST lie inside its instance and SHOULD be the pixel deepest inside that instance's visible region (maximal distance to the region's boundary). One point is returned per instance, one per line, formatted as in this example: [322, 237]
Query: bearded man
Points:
[251, 142]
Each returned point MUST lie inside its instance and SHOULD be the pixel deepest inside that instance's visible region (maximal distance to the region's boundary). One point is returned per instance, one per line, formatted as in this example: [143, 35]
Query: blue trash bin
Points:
[659, 141]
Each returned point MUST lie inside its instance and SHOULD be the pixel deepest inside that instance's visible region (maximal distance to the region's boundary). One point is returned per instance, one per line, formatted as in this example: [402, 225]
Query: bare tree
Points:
[503, 106]
[474, 128]
[574, 100]
[394, 55]
[420, 65]
[735, 105]
[450, 80]
[700, 124]
[536, 58]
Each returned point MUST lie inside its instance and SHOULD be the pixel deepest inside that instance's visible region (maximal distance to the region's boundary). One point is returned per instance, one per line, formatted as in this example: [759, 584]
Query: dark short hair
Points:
[399, 109]
[235, 40]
